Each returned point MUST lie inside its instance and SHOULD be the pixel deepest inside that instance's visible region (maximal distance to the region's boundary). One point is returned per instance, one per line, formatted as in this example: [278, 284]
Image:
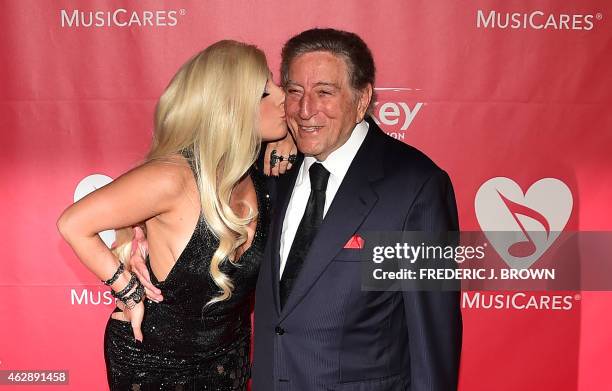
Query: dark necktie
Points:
[307, 230]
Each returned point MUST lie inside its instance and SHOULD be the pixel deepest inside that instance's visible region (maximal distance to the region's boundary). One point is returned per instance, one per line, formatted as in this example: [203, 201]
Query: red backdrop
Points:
[514, 89]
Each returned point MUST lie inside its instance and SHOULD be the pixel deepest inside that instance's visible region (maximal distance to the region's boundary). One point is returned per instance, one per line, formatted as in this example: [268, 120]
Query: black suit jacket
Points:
[331, 335]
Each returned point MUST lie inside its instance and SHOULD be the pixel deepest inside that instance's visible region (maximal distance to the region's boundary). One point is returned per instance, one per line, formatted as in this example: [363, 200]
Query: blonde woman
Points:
[205, 210]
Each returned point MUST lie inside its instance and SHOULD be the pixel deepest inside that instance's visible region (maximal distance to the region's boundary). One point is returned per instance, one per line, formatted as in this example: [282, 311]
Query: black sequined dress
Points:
[187, 345]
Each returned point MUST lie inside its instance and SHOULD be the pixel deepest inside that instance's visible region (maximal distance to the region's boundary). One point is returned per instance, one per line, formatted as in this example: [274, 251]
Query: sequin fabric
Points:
[187, 345]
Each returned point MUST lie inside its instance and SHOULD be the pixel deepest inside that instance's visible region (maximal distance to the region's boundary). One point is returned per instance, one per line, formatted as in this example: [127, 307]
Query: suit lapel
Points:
[352, 203]
[283, 195]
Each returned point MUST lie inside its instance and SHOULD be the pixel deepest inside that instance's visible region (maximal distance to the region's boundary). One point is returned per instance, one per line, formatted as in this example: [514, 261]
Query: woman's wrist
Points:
[122, 281]
[116, 275]
[128, 290]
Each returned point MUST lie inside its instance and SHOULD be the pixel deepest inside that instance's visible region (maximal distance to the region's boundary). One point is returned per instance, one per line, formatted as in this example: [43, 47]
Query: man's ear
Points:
[365, 97]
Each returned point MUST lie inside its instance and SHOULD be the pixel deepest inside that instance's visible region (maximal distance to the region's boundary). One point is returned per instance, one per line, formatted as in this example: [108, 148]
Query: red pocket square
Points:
[355, 241]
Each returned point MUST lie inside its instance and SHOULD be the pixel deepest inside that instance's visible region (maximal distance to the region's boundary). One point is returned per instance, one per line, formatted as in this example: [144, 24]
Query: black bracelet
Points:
[135, 297]
[119, 295]
[115, 276]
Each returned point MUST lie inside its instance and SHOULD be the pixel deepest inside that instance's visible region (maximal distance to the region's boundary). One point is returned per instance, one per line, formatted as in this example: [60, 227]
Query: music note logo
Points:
[522, 226]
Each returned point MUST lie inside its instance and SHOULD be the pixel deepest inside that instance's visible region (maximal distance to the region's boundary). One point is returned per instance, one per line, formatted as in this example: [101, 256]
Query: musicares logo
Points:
[120, 17]
[84, 296]
[536, 20]
[518, 301]
[393, 115]
[537, 217]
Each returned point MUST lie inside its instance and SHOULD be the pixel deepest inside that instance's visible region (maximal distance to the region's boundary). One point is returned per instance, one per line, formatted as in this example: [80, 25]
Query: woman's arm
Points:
[142, 193]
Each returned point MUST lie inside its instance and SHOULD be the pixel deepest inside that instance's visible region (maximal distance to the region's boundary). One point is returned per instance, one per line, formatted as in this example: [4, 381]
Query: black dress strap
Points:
[188, 155]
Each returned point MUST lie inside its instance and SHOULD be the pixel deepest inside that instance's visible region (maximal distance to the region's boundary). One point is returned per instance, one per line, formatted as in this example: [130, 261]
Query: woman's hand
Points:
[283, 148]
[138, 265]
[134, 316]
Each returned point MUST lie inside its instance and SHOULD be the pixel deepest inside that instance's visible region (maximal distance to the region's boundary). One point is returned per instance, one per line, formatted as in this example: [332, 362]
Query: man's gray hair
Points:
[349, 46]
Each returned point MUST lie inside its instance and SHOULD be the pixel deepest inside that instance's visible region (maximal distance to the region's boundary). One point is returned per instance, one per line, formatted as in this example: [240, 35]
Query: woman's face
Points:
[272, 113]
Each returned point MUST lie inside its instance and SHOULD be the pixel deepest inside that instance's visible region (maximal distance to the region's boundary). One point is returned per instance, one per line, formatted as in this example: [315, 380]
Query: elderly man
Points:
[315, 329]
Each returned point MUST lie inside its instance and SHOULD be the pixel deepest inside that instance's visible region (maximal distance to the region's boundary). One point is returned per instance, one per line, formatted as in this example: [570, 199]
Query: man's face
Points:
[321, 107]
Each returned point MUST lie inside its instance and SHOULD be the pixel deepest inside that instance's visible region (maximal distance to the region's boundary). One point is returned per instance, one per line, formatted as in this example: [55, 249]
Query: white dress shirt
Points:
[337, 163]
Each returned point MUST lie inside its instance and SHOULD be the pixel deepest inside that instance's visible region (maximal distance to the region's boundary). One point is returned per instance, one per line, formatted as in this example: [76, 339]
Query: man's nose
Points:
[307, 107]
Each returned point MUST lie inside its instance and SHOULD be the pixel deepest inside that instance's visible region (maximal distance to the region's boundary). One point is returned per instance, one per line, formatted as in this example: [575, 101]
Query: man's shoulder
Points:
[402, 159]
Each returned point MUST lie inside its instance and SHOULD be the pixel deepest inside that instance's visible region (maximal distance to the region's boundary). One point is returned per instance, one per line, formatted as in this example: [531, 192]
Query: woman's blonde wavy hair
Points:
[210, 110]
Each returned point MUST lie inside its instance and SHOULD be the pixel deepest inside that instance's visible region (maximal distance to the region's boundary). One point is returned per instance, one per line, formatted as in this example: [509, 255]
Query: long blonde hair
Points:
[210, 109]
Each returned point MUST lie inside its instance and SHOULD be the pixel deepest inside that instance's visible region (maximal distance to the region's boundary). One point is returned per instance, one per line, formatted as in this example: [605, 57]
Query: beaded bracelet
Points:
[119, 295]
[111, 280]
[135, 297]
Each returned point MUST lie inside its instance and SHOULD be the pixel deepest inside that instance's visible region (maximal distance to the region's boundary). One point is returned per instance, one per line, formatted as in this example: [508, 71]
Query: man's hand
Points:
[283, 147]
[138, 265]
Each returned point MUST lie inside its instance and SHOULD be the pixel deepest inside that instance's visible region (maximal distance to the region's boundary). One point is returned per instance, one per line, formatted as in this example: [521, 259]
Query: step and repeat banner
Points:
[512, 98]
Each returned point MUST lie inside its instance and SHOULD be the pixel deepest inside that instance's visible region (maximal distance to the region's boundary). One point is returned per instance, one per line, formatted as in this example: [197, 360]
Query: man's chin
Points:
[307, 148]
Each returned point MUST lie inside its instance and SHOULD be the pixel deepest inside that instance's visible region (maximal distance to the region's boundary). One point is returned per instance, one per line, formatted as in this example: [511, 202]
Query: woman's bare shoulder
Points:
[149, 190]
[170, 174]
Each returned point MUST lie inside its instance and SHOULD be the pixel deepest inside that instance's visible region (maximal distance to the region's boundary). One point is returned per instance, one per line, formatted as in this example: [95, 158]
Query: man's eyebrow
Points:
[291, 83]
[327, 84]
[318, 84]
